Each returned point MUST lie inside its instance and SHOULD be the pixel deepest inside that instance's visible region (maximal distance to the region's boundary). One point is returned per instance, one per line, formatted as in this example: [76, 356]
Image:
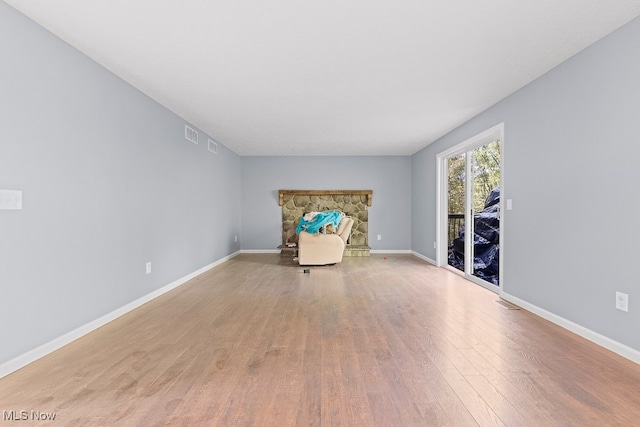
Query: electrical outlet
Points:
[434, 245]
[148, 267]
[379, 236]
[622, 301]
[235, 238]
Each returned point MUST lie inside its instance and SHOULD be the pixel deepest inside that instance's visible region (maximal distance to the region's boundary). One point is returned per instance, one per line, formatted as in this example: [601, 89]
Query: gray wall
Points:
[572, 143]
[109, 183]
[388, 177]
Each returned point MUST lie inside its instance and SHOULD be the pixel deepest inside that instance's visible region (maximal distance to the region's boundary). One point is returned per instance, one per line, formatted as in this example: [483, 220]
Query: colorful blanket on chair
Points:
[314, 221]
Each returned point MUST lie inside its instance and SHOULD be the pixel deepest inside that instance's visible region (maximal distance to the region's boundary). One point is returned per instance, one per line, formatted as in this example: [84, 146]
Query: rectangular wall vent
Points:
[213, 146]
[190, 134]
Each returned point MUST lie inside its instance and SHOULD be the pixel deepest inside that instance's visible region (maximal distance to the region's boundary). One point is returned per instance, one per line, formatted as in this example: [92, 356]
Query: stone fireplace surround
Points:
[353, 203]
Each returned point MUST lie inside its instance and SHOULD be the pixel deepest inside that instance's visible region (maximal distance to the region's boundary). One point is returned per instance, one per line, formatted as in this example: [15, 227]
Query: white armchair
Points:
[322, 249]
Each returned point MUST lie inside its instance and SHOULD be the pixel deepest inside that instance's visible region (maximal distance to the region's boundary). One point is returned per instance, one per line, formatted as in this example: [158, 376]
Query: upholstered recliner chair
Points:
[322, 249]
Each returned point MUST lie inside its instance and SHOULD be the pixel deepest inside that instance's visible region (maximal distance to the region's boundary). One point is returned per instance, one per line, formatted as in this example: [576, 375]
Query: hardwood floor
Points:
[380, 341]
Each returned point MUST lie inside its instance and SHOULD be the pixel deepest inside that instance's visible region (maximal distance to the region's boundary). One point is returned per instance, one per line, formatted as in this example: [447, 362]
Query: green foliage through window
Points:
[486, 176]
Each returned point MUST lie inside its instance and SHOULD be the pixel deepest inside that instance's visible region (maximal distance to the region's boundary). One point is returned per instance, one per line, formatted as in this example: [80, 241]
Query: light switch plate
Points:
[11, 199]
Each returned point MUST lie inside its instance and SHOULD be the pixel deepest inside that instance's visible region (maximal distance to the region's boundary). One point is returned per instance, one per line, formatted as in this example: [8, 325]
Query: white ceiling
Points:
[329, 77]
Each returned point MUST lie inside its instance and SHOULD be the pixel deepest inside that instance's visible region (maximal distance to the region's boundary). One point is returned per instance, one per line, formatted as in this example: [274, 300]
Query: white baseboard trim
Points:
[41, 351]
[601, 340]
[424, 258]
[277, 251]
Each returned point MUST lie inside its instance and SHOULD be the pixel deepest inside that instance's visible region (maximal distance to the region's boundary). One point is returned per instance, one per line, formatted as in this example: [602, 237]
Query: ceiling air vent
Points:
[190, 134]
[213, 146]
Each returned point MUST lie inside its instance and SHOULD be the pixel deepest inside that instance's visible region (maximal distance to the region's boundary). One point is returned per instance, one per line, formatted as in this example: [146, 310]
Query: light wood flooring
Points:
[380, 341]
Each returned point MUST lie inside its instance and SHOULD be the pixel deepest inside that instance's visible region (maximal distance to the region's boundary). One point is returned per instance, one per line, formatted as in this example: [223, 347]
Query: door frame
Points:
[489, 135]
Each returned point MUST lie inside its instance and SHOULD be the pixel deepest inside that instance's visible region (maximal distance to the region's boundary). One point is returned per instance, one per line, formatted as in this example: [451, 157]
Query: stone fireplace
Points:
[353, 203]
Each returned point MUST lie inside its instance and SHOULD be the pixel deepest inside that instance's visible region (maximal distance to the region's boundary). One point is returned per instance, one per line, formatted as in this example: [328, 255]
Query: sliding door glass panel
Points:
[485, 198]
[456, 201]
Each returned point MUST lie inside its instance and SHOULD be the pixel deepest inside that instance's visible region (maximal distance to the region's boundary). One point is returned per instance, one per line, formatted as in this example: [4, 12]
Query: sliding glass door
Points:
[470, 212]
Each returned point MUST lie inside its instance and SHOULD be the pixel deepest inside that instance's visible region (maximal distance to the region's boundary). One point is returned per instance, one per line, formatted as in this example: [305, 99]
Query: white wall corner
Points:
[424, 258]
